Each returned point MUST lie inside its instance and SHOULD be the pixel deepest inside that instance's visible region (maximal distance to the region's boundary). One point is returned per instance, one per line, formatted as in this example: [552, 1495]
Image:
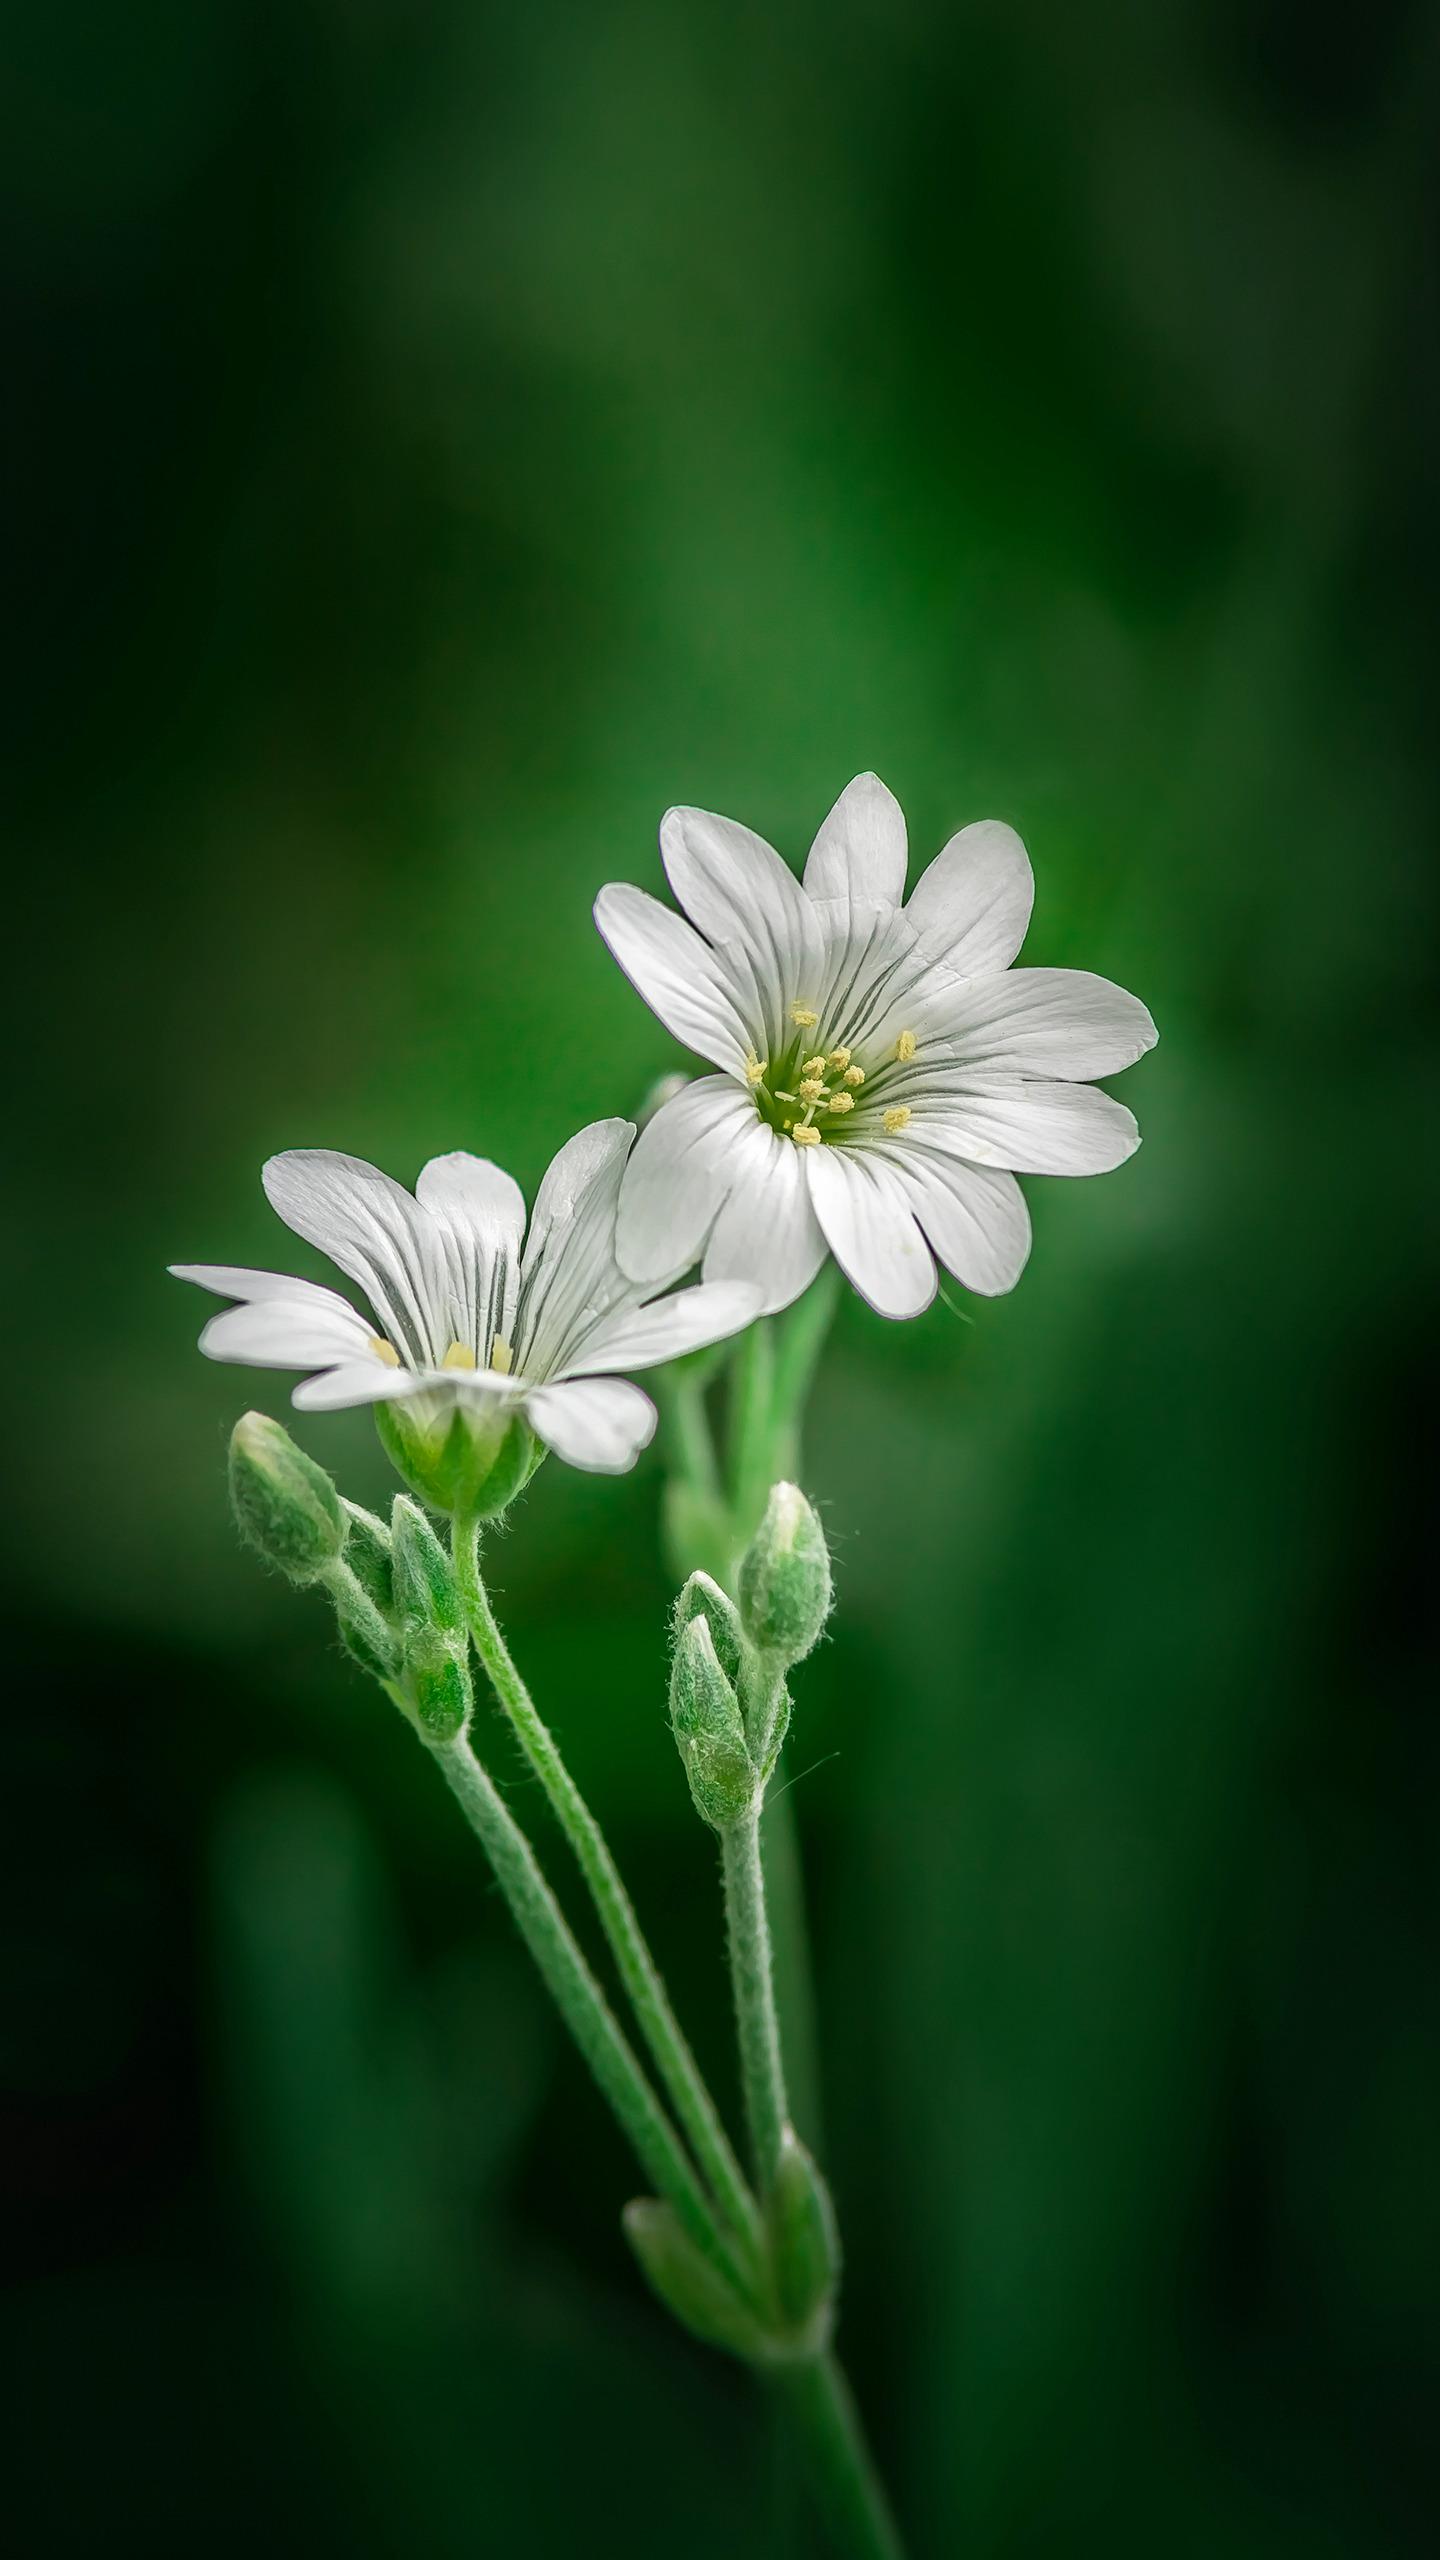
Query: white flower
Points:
[884, 1072]
[463, 1317]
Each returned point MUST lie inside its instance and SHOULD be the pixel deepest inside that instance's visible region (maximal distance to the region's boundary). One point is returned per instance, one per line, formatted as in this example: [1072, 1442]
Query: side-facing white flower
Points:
[884, 1071]
[471, 1317]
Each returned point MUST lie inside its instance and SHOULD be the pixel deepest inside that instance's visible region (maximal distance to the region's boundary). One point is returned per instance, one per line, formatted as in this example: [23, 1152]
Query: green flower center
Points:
[813, 1093]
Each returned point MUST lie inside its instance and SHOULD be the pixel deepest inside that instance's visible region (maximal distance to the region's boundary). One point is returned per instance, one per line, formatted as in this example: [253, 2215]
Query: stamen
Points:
[812, 1090]
[897, 1117]
[459, 1356]
[842, 1102]
[502, 1358]
[804, 1016]
[905, 1047]
[806, 1136]
[814, 1066]
[839, 1060]
[384, 1350]
[755, 1067]
[854, 1075]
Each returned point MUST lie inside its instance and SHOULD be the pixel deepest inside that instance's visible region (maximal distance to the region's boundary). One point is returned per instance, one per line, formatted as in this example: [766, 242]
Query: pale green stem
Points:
[752, 1430]
[577, 1994]
[349, 1593]
[673, 2059]
[845, 2476]
[762, 2071]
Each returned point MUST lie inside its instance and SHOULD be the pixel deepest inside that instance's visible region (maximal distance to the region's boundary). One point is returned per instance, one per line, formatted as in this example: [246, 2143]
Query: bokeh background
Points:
[446, 435]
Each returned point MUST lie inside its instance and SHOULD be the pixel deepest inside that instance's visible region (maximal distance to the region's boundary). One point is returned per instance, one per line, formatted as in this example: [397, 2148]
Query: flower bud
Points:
[459, 1456]
[285, 1506]
[425, 1593]
[437, 1678]
[708, 1727]
[804, 2237]
[702, 1598]
[367, 1553]
[693, 2291]
[785, 1577]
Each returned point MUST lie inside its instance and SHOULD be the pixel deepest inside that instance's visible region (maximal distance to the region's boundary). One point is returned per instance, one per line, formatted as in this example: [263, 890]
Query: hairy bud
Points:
[285, 1506]
[785, 1578]
[709, 1729]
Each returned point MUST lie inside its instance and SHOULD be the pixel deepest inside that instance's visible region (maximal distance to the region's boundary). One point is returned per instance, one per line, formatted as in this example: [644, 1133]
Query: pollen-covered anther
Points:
[839, 1059]
[806, 1137]
[854, 1075]
[812, 1089]
[384, 1350]
[755, 1068]
[804, 1016]
[842, 1102]
[502, 1358]
[814, 1066]
[459, 1356]
[905, 1047]
[897, 1117]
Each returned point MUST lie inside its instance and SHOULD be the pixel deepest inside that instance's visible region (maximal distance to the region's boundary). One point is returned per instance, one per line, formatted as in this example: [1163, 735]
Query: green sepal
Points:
[367, 1553]
[437, 1683]
[285, 1506]
[785, 1587]
[709, 1732]
[691, 2289]
[804, 2238]
[424, 1577]
[466, 1458]
[703, 1598]
[361, 1647]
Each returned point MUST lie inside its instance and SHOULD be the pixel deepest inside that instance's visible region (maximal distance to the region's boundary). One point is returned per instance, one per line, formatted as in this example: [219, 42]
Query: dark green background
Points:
[447, 435]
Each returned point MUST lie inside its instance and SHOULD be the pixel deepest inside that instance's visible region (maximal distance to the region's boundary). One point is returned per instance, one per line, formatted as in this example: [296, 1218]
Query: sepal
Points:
[437, 1682]
[785, 1587]
[691, 2289]
[804, 2238]
[285, 1506]
[466, 1457]
[708, 1728]
[424, 1577]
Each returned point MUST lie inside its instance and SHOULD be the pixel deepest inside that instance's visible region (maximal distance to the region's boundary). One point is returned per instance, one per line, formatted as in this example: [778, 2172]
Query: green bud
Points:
[702, 1598]
[709, 1732]
[425, 1593]
[437, 1679]
[458, 1456]
[692, 2290]
[785, 1577]
[804, 2237]
[285, 1506]
[367, 1553]
[361, 1645]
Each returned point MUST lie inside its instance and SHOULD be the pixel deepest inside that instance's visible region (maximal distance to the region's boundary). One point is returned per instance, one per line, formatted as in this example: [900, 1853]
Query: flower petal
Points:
[972, 905]
[1029, 1125]
[679, 1176]
[640, 1337]
[570, 1279]
[286, 1333]
[228, 1281]
[975, 1217]
[358, 1382]
[477, 1212]
[871, 1229]
[1046, 1022]
[377, 1234]
[860, 851]
[601, 1424]
[767, 1231]
[677, 974]
[734, 886]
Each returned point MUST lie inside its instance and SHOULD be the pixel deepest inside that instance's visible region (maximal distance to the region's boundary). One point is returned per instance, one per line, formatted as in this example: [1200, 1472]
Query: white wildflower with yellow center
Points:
[884, 1071]
[467, 1309]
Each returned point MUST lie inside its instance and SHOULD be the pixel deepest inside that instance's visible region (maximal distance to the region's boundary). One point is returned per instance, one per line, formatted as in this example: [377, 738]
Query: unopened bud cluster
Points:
[393, 1588]
[729, 1706]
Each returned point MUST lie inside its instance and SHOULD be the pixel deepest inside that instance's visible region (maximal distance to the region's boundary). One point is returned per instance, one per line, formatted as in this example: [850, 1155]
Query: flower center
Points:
[813, 1093]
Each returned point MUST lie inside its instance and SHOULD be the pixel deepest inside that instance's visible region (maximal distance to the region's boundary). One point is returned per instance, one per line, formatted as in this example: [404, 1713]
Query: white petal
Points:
[1031, 1126]
[975, 1218]
[871, 1229]
[734, 886]
[284, 1333]
[678, 976]
[601, 1424]
[767, 1231]
[228, 1281]
[678, 1177]
[477, 1212]
[358, 1382]
[972, 906]
[860, 850]
[377, 1234]
[639, 1337]
[571, 1280]
[569, 1178]
[1047, 1022]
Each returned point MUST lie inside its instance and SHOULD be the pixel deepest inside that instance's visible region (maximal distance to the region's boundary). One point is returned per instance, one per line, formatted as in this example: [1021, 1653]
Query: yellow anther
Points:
[905, 1047]
[839, 1060]
[502, 1358]
[459, 1356]
[842, 1101]
[806, 1137]
[384, 1350]
[814, 1066]
[812, 1090]
[854, 1075]
[804, 1016]
[897, 1117]
[754, 1067]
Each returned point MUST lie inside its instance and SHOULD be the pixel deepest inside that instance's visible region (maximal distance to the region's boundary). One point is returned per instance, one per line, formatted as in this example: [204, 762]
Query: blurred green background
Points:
[447, 435]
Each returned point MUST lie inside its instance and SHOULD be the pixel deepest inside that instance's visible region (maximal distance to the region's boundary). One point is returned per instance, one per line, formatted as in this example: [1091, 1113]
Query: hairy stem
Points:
[762, 2071]
[846, 2480]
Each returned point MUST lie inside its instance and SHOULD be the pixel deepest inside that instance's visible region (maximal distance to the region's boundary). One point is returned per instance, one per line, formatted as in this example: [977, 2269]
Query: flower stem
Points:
[638, 1970]
[846, 2480]
[577, 1994]
[762, 2071]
